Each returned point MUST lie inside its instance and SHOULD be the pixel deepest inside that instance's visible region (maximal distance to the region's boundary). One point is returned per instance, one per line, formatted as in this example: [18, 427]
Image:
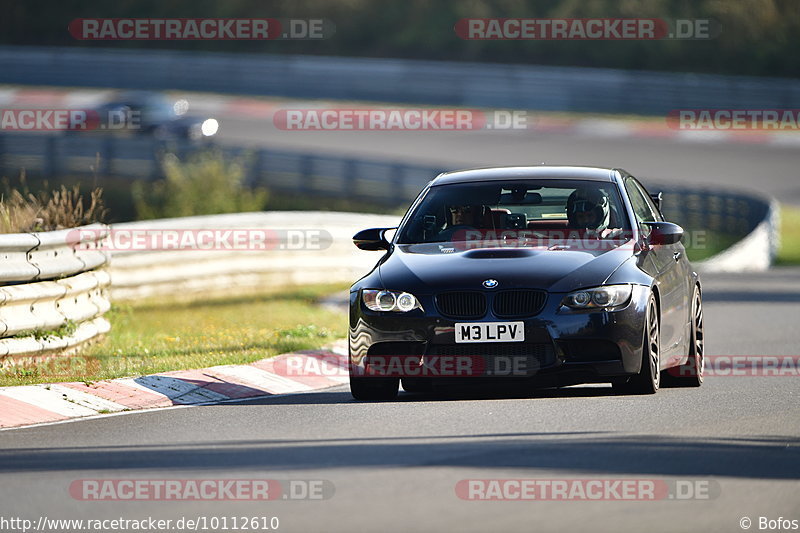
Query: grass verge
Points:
[712, 244]
[148, 339]
[47, 210]
[789, 251]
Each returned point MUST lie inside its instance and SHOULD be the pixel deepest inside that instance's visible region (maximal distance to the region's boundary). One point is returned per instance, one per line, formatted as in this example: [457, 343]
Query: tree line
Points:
[756, 37]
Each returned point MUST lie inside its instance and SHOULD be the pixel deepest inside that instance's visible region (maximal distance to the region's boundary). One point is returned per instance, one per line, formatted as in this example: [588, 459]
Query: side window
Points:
[649, 200]
[639, 201]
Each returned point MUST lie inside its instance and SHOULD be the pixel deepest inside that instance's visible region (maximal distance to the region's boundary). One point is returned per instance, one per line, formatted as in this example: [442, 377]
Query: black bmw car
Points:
[549, 276]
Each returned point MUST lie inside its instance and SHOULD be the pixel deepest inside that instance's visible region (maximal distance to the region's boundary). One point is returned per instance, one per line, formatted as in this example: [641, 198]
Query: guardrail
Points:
[51, 255]
[54, 292]
[395, 80]
[753, 220]
[52, 156]
[185, 273]
[755, 252]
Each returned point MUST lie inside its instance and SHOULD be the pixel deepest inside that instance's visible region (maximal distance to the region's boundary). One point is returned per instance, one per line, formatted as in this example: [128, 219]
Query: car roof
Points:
[539, 172]
[137, 97]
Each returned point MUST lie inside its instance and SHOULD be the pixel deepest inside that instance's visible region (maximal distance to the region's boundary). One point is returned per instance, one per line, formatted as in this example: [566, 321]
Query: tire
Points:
[416, 384]
[374, 389]
[691, 373]
[648, 380]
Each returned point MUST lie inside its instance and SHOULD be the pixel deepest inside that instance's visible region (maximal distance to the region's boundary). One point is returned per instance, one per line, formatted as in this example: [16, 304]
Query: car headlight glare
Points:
[209, 127]
[599, 297]
[380, 300]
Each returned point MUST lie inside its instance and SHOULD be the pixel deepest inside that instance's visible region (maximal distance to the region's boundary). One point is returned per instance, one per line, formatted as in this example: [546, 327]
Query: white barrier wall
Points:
[189, 273]
[55, 290]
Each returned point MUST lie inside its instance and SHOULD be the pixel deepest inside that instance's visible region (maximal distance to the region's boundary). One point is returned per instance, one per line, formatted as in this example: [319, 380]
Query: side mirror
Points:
[664, 233]
[657, 197]
[372, 239]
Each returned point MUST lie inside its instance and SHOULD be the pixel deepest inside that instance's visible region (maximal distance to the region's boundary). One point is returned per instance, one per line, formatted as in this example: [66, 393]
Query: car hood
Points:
[429, 268]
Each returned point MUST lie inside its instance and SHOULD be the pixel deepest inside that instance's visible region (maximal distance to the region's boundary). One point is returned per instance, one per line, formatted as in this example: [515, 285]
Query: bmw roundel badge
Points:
[490, 283]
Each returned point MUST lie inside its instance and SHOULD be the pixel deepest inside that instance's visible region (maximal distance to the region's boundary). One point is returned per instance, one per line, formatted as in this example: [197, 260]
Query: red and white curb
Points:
[37, 404]
[222, 106]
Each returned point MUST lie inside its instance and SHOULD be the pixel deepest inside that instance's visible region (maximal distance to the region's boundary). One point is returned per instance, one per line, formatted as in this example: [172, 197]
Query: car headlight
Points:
[209, 127]
[598, 297]
[381, 300]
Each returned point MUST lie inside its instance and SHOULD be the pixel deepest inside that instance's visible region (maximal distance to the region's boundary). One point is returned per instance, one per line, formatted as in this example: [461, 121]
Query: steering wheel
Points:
[448, 233]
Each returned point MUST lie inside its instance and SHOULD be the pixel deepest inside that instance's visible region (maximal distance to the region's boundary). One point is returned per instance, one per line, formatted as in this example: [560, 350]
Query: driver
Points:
[588, 210]
[462, 218]
[465, 215]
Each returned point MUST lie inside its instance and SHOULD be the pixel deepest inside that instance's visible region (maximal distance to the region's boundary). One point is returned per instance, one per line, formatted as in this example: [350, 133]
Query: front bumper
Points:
[561, 346]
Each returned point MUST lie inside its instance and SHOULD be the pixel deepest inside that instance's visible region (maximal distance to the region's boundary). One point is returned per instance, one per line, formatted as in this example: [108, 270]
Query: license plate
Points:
[490, 332]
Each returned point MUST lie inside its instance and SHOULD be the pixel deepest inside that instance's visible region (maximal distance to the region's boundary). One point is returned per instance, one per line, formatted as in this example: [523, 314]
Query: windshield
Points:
[517, 209]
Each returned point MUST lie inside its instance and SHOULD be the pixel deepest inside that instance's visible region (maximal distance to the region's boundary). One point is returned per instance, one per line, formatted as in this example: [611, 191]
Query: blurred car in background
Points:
[149, 113]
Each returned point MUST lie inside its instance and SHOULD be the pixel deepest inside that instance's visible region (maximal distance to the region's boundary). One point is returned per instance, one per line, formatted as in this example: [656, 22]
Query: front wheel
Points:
[648, 379]
[374, 389]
